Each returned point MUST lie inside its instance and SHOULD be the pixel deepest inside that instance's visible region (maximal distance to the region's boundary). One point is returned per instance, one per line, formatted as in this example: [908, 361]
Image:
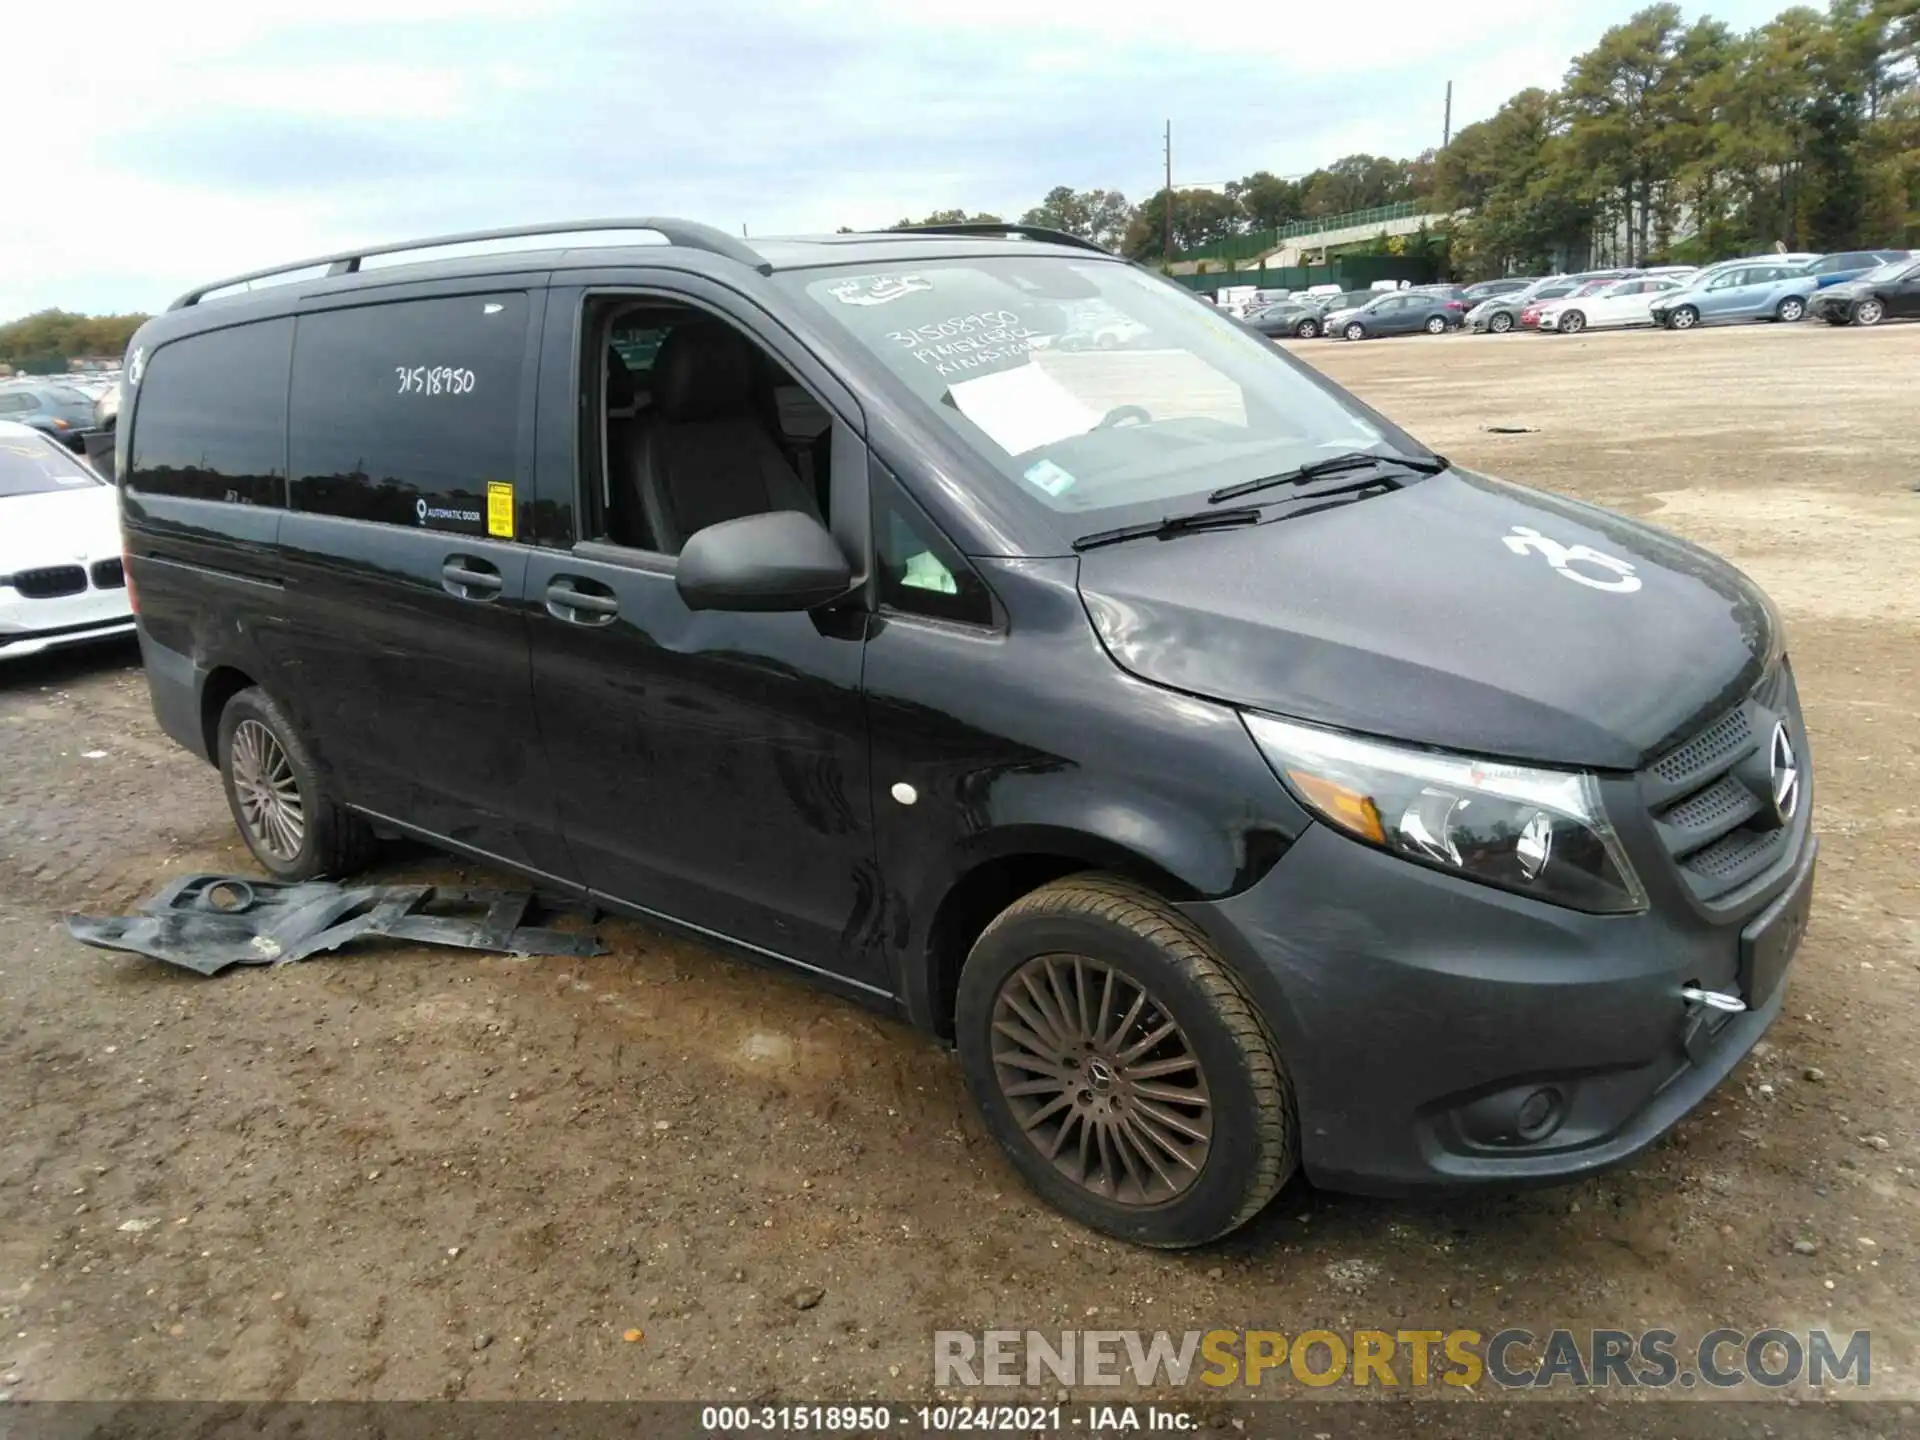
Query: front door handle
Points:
[470, 579]
[581, 602]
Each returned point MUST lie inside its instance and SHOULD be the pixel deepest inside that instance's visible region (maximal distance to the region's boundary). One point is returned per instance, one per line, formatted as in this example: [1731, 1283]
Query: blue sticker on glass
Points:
[1047, 476]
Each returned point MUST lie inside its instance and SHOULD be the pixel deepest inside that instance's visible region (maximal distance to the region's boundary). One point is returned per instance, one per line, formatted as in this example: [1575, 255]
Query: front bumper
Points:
[31, 626]
[1421, 1015]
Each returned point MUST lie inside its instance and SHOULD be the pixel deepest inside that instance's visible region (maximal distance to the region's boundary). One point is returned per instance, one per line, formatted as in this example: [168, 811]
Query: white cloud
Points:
[204, 137]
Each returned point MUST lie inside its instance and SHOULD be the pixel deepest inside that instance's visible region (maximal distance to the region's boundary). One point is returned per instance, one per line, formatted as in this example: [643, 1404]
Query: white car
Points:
[61, 581]
[1621, 303]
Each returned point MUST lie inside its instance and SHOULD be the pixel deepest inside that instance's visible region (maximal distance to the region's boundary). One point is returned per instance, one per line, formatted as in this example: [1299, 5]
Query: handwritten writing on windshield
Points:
[967, 342]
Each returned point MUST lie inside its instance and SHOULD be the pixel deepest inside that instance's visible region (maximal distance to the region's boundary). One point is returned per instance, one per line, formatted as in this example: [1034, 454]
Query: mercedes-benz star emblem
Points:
[1786, 773]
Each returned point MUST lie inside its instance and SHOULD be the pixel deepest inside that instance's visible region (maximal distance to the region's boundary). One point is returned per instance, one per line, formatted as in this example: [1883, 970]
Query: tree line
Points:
[1668, 140]
[57, 335]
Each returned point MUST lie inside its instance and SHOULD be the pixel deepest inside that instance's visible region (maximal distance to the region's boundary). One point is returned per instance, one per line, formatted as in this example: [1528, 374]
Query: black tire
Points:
[1683, 318]
[1436, 325]
[1254, 1144]
[1307, 329]
[1355, 330]
[1500, 322]
[1573, 322]
[1869, 311]
[334, 841]
[1790, 310]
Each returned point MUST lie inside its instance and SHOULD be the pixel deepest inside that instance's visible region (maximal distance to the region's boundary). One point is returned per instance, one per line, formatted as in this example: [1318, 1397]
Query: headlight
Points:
[1538, 832]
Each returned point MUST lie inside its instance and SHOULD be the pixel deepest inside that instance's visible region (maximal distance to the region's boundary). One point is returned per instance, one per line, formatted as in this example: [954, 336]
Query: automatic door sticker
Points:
[1564, 558]
[430, 513]
[500, 509]
[877, 289]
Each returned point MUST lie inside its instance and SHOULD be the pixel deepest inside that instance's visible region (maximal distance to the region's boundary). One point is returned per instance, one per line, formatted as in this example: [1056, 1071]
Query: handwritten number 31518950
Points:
[433, 380]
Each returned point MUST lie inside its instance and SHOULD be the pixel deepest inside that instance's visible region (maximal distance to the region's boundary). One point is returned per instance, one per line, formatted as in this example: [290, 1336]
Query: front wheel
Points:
[1121, 1067]
[1790, 310]
[1501, 322]
[1869, 312]
[1436, 325]
[290, 822]
[1306, 329]
[1685, 318]
[1355, 331]
[1572, 323]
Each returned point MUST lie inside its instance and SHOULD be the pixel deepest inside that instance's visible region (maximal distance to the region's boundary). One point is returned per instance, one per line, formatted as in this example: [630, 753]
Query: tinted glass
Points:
[920, 572]
[407, 412]
[32, 466]
[17, 402]
[210, 416]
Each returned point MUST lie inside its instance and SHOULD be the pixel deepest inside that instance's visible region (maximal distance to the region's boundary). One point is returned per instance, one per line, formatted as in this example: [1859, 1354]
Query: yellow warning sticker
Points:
[500, 508]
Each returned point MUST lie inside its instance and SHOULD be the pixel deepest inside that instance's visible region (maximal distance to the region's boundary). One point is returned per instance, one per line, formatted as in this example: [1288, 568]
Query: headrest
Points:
[620, 394]
[704, 371]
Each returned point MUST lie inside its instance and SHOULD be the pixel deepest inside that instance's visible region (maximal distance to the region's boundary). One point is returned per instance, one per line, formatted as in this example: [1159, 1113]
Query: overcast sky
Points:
[194, 138]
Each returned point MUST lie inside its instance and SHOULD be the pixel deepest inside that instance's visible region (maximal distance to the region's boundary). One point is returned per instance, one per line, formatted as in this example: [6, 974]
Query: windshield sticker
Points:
[500, 509]
[1047, 476]
[877, 289]
[1023, 408]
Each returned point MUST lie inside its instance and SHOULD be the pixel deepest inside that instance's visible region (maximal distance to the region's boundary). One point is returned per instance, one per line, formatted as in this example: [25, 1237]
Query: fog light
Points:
[1538, 1115]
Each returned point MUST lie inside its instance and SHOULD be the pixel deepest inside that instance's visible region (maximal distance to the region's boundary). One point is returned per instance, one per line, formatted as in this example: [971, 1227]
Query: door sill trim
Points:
[612, 902]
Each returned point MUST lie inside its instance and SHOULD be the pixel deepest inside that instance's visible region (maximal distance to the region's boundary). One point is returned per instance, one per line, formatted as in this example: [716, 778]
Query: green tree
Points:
[1101, 216]
[60, 335]
[949, 217]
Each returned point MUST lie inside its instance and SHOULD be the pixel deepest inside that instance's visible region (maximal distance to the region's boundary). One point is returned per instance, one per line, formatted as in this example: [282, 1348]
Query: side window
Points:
[210, 416]
[408, 413]
[17, 403]
[919, 573]
[699, 423]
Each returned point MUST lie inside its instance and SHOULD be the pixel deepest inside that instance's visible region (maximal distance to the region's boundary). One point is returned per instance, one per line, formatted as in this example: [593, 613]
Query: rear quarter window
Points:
[405, 412]
[210, 416]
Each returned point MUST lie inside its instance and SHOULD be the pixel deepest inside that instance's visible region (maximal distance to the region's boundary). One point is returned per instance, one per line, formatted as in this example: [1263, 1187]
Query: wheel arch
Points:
[991, 877]
[223, 682]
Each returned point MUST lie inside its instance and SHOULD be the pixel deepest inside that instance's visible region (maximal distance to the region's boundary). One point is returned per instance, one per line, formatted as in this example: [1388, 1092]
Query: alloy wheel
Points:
[269, 792]
[1101, 1079]
[1868, 312]
[1572, 323]
[1436, 326]
[1792, 308]
[1501, 323]
[1683, 318]
[1356, 331]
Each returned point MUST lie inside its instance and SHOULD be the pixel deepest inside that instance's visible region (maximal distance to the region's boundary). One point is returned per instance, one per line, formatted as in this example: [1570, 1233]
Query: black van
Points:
[1242, 788]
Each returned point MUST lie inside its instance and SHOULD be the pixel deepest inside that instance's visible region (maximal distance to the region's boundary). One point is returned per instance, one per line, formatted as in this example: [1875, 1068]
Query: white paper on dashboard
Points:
[1022, 408]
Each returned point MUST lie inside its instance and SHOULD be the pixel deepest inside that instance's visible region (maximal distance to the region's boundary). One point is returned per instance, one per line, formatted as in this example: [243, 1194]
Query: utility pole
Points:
[1446, 125]
[1169, 156]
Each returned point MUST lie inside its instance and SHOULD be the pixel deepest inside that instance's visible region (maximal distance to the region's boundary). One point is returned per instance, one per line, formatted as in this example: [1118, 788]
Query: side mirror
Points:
[780, 560]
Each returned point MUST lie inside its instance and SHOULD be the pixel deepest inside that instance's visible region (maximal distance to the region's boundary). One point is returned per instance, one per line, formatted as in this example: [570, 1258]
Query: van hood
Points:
[1460, 612]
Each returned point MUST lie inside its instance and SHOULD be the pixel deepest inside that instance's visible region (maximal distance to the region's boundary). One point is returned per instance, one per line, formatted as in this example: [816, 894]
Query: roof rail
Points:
[690, 233]
[1030, 232]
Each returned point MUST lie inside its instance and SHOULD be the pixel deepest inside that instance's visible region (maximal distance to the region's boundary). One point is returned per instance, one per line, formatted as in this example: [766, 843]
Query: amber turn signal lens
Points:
[1348, 809]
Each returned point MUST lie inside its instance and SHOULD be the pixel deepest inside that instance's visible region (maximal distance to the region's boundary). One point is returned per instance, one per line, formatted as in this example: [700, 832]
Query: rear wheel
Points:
[1121, 1067]
[1572, 323]
[1436, 325]
[1790, 310]
[1501, 322]
[1684, 318]
[1307, 329]
[1355, 330]
[1868, 311]
[289, 821]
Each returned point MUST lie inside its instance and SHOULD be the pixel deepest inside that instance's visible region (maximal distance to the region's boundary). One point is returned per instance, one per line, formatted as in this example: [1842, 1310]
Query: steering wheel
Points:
[1124, 415]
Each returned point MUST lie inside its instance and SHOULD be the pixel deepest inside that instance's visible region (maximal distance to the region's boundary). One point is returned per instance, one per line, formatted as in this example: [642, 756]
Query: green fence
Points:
[1349, 272]
[1259, 242]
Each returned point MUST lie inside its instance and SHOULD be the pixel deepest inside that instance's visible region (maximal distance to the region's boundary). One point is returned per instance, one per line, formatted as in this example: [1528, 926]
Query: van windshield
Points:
[1090, 386]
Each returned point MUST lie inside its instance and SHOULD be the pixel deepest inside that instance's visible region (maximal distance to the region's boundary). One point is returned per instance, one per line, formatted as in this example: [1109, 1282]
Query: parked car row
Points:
[53, 405]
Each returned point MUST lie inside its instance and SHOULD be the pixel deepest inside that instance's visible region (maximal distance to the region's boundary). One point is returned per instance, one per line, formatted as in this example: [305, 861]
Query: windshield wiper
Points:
[1332, 465]
[1170, 525]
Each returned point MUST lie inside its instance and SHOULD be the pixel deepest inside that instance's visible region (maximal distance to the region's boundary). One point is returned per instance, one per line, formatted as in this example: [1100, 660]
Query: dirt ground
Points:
[423, 1174]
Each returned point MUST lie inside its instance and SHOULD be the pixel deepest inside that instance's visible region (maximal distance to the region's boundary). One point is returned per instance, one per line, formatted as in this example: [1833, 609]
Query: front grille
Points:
[50, 582]
[1709, 796]
[109, 575]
